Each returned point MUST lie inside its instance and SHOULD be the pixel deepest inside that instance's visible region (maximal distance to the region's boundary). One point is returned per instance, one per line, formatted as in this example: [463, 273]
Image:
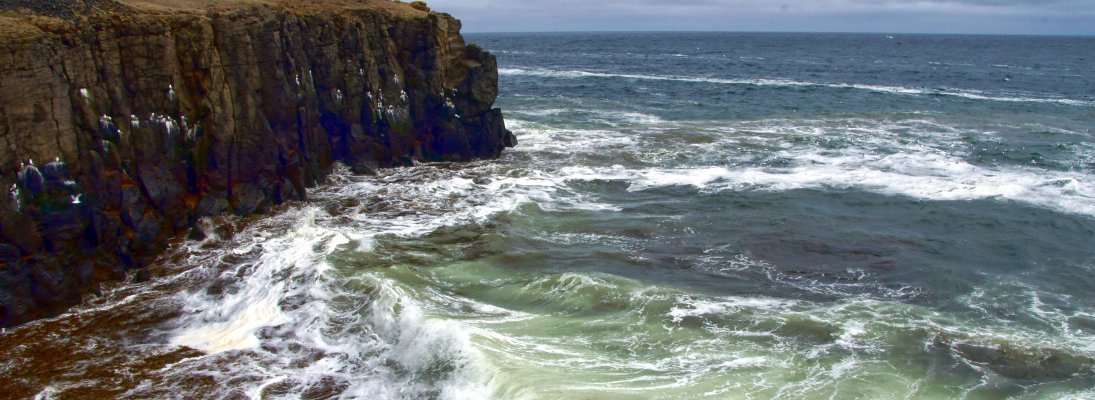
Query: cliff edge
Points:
[123, 125]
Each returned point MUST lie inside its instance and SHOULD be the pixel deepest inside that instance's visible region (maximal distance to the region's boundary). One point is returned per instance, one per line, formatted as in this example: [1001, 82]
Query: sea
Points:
[686, 216]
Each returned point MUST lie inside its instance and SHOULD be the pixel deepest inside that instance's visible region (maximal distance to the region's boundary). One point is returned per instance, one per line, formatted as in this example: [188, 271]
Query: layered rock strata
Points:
[122, 129]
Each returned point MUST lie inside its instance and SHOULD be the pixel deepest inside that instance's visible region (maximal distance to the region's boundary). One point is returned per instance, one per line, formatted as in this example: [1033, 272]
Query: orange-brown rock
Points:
[122, 127]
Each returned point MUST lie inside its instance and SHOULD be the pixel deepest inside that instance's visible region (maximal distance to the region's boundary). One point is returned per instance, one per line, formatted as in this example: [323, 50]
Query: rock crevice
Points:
[121, 130]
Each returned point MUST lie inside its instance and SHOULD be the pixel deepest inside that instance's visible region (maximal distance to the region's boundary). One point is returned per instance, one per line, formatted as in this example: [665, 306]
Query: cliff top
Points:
[200, 6]
[23, 18]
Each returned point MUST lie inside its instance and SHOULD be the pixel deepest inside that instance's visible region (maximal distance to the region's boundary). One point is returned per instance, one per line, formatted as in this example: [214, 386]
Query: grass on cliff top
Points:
[303, 6]
[21, 19]
[74, 10]
[64, 9]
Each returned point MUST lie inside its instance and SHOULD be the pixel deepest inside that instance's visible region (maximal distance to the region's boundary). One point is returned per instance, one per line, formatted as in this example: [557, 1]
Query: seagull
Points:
[76, 198]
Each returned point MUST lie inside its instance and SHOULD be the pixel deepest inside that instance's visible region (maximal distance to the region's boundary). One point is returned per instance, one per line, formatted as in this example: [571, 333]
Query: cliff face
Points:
[120, 131]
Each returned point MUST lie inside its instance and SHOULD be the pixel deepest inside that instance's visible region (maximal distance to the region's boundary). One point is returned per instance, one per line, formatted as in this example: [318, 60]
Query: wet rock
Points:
[1019, 362]
[196, 234]
[364, 168]
[142, 275]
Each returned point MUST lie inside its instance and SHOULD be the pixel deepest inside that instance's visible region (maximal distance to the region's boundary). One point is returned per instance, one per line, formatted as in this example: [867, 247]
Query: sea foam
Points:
[899, 90]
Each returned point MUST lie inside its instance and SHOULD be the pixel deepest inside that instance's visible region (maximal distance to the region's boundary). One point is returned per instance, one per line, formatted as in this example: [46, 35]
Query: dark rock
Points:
[55, 171]
[196, 234]
[510, 139]
[31, 180]
[9, 253]
[142, 275]
[364, 168]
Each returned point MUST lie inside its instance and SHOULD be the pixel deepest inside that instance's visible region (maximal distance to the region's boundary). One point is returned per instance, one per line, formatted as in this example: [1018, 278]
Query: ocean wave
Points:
[899, 90]
[367, 335]
[282, 301]
[615, 118]
[917, 158]
[928, 177]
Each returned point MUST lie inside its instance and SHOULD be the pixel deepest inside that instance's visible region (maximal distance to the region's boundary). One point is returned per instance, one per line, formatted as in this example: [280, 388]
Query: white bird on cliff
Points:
[76, 198]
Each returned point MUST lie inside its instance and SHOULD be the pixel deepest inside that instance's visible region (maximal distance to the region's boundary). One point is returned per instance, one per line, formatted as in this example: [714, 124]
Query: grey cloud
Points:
[942, 16]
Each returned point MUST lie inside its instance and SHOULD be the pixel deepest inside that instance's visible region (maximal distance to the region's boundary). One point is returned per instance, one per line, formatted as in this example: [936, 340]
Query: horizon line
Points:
[1062, 35]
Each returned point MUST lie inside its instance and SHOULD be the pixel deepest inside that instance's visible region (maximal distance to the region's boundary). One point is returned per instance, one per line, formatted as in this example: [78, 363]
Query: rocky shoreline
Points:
[122, 129]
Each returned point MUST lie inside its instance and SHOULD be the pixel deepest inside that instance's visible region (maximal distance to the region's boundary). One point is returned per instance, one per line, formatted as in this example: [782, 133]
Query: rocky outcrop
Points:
[121, 130]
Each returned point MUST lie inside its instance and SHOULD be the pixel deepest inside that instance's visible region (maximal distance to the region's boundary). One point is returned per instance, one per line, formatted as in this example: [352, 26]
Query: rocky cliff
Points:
[121, 128]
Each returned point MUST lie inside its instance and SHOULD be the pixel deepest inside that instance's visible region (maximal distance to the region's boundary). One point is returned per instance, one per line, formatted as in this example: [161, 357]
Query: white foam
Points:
[745, 362]
[917, 158]
[539, 138]
[46, 394]
[230, 321]
[851, 330]
[923, 174]
[689, 307]
[964, 93]
[401, 341]
[630, 117]
[380, 348]
[419, 343]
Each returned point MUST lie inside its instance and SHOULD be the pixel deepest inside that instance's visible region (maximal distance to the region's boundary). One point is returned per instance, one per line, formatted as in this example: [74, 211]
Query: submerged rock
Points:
[1019, 362]
[166, 112]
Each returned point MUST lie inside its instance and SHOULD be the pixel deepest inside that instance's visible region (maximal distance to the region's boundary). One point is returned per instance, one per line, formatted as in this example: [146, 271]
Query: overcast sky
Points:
[1070, 17]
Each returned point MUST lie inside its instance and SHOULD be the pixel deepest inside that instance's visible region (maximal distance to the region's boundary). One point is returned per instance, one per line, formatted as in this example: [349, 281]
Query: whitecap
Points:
[962, 93]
